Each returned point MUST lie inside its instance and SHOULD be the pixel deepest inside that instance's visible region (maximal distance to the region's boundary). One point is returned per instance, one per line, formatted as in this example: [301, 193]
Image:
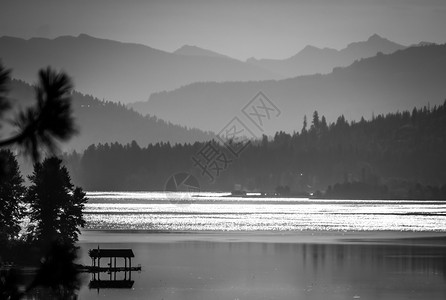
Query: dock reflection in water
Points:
[113, 283]
[359, 269]
[112, 269]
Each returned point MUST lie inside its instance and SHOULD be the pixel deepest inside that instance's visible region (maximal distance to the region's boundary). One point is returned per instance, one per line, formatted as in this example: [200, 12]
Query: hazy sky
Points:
[242, 29]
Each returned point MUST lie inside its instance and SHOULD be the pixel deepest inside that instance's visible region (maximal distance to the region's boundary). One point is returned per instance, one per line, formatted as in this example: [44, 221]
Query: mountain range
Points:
[127, 73]
[312, 60]
[208, 89]
[377, 85]
[121, 72]
[108, 122]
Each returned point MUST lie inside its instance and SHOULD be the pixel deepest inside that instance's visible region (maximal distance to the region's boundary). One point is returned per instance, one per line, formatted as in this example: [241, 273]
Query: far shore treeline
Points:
[398, 155]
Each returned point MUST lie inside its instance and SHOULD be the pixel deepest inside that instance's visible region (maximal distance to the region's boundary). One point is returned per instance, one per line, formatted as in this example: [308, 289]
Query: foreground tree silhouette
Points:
[11, 194]
[41, 127]
[55, 204]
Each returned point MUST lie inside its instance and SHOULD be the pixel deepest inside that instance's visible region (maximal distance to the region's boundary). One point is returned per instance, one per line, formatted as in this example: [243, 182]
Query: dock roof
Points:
[111, 253]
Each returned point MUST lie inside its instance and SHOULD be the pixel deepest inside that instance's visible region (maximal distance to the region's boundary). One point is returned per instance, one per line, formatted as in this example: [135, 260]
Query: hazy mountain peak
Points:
[372, 40]
[193, 50]
[251, 60]
[376, 37]
[309, 48]
[377, 41]
[371, 47]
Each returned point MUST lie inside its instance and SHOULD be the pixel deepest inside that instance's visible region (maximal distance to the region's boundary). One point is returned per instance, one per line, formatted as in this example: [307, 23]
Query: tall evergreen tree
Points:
[55, 204]
[315, 122]
[11, 194]
[304, 126]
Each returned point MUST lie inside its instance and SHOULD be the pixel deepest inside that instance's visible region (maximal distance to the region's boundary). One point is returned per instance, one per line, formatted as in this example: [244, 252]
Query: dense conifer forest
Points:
[399, 154]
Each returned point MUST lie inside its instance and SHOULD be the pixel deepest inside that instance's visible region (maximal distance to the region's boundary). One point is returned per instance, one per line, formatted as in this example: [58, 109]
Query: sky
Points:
[238, 28]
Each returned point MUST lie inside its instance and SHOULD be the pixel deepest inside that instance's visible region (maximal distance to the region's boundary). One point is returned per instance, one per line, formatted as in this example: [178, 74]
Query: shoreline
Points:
[425, 238]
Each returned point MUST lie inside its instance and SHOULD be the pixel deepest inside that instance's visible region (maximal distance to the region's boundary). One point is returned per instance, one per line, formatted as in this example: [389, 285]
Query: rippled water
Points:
[213, 211]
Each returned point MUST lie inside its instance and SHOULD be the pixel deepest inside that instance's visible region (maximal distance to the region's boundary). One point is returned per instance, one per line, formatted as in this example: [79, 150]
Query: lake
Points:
[215, 247]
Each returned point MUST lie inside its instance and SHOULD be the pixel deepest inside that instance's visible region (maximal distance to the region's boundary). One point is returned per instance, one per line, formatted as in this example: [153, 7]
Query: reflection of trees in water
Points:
[57, 276]
[375, 269]
[375, 258]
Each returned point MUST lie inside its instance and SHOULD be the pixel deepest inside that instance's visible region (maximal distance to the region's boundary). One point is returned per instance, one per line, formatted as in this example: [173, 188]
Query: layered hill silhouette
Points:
[313, 60]
[108, 122]
[127, 73]
[121, 72]
[197, 51]
[380, 84]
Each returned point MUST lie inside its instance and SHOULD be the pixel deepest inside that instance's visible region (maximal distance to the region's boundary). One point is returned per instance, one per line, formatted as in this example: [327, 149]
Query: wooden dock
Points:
[112, 254]
[111, 268]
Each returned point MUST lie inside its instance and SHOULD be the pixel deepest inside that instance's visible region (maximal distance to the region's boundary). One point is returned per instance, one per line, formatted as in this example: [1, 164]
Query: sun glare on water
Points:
[162, 211]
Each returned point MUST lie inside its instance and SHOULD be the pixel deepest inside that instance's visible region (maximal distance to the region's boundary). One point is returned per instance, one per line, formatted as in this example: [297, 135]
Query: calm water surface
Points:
[180, 266]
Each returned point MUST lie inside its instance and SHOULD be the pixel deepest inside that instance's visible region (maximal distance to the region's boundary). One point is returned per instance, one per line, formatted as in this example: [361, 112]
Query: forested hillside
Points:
[397, 150]
[103, 121]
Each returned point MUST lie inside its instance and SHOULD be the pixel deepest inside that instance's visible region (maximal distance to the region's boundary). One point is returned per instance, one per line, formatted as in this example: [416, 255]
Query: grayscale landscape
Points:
[223, 149]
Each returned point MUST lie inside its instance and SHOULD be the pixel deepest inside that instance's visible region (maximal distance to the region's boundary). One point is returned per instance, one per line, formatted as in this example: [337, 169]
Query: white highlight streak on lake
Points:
[212, 211]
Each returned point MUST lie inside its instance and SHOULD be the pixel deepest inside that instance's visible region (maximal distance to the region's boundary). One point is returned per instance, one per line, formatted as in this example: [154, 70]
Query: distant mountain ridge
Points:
[129, 72]
[120, 72]
[377, 85]
[108, 122]
[312, 60]
[197, 51]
